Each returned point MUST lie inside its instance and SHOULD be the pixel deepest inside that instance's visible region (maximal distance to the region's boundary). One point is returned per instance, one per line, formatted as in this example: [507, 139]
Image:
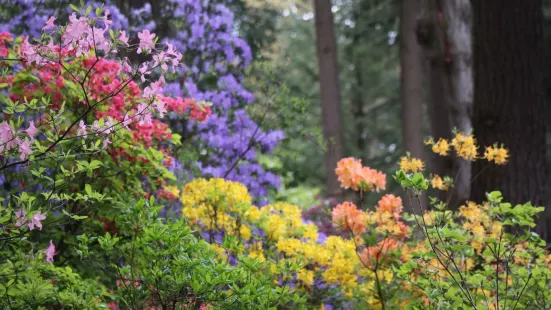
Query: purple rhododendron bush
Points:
[130, 179]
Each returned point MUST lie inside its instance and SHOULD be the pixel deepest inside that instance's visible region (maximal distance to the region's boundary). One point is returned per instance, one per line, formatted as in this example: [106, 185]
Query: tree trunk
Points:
[458, 19]
[509, 100]
[329, 89]
[445, 34]
[411, 84]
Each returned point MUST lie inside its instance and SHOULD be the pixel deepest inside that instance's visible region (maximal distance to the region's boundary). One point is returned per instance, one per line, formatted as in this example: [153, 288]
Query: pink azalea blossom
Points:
[98, 38]
[154, 89]
[159, 59]
[20, 217]
[36, 221]
[160, 106]
[106, 19]
[146, 40]
[109, 126]
[82, 129]
[106, 142]
[75, 29]
[30, 54]
[6, 133]
[126, 121]
[49, 23]
[123, 38]
[50, 252]
[25, 149]
[31, 131]
[126, 66]
[145, 114]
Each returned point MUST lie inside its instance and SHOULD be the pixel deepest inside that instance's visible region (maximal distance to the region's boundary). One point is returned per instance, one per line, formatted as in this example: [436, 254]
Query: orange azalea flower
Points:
[353, 175]
[375, 179]
[349, 171]
[347, 216]
[378, 254]
[391, 204]
[403, 230]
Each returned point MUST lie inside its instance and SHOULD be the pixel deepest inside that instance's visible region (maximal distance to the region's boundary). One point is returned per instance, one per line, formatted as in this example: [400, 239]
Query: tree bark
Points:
[509, 100]
[330, 92]
[411, 72]
[445, 34]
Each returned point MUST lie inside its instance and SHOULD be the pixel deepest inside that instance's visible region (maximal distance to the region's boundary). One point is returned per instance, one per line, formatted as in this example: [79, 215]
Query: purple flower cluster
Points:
[215, 59]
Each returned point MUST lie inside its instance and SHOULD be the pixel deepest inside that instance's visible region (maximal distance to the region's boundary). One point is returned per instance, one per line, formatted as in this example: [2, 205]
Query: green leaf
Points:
[88, 189]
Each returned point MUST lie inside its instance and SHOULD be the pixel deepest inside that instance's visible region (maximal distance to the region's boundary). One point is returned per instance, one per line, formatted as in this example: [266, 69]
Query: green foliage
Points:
[159, 262]
[26, 282]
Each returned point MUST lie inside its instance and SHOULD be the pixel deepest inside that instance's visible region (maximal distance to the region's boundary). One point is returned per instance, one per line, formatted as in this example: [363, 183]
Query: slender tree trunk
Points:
[509, 100]
[458, 19]
[329, 89]
[445, 34]
[411, 73]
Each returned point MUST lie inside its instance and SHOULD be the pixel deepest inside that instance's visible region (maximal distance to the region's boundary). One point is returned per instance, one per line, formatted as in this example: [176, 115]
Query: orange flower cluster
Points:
[347, 217]
[353, 175]
[390, 204]
[387, 215]
[375, 256]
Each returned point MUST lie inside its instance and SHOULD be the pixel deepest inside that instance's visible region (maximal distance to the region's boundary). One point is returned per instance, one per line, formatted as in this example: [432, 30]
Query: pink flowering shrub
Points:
[81, 136]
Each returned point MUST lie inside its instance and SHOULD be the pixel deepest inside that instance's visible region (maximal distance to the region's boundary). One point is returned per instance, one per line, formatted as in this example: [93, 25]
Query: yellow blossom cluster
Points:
[498, 155]
[284, 220]
[410, 164]
[335, 260]
[478, 222]
[441, 147]
[217, 204]
[465, 147]
[438, 183]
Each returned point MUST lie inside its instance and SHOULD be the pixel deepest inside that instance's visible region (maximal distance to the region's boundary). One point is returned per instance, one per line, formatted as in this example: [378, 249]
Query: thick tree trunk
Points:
[445, 34]
[509, 100]
[330, 93]
[411, 85]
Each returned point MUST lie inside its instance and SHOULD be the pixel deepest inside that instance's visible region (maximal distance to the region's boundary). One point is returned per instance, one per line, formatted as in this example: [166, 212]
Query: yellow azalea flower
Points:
[245, 232]
[305, 276]
[220, 251]
[496, 230]
[477, 245]
[441, 147]
[311, 232]
[471, 211]
[465, 146]
[173, 190]
[475, 228]
[348, 294]
[468, 264]
[428, 218]
[273, 269]
[252, 214]
[438, 183]
[256, 251]
[498, 155]
[411, 164]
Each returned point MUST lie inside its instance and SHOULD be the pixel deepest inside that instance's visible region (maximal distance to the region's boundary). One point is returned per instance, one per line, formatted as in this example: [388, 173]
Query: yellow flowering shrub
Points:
[482, 256]
[292, 250]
